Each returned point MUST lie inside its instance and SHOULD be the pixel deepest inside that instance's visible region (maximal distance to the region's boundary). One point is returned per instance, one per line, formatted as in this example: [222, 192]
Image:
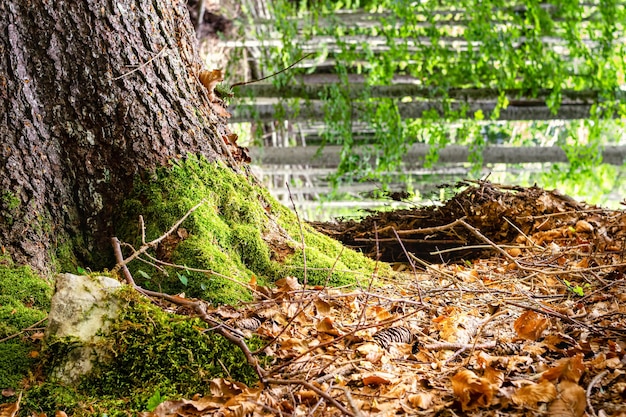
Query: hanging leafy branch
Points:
[523, 52]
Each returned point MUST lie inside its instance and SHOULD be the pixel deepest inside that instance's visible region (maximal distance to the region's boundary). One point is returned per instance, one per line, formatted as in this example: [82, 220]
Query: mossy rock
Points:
[150, 352]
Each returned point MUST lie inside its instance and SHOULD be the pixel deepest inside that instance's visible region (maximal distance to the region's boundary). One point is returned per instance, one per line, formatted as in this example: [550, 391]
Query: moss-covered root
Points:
[240, 232]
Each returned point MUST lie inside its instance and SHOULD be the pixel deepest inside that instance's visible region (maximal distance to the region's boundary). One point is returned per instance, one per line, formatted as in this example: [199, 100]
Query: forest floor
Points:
[530, 319]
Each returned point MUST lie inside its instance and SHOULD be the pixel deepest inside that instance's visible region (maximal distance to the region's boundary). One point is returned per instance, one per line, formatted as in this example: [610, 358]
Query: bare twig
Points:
[142, 65]
[117, 250]
[419, 292]
[593, 383]
[274, 74]
[304, 278]
[153, 243]
[355, 409]
[205, 271]
[313, 388]
[197, 306]
[480, 331]
[32, 327]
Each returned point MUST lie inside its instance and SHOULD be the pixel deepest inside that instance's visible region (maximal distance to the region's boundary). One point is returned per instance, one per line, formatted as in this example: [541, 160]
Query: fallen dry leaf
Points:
[322, 307]
[326, 325]
[567, 369]
[209, 80]
[570, 402]
[377, 378]
[421, 400]
[530, 325]
[531, 394]
[472, 390]
[10, 409]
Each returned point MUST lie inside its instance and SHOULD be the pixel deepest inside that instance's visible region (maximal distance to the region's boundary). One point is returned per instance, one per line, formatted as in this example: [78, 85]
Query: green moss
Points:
[15, 362]
[50, 397]
[151, 347]
[24, 300]
[228, 234]
[25, 286]
[151, 351]
[10, 200]
[9, 203]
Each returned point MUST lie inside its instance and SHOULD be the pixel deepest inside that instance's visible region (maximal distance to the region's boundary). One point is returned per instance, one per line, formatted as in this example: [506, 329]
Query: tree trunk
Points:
[93, 94]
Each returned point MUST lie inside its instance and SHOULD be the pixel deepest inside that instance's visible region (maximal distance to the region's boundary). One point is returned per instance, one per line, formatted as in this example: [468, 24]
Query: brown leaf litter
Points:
[529, 319]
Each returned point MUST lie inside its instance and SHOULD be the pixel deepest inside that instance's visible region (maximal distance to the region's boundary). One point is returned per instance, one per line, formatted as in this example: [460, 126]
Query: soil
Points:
[503, 215]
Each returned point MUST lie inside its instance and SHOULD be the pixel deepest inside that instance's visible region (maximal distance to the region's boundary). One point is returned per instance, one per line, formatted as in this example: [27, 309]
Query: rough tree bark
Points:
[93, 94]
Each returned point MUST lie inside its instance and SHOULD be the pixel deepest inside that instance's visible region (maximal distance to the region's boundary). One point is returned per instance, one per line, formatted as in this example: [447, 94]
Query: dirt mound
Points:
[481, 216]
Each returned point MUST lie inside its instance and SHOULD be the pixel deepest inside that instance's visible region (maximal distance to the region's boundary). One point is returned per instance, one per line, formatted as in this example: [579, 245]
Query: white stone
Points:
[81, 307]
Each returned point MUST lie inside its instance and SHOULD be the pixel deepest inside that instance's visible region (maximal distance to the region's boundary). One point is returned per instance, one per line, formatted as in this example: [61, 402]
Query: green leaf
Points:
[143, 274]
[183, 279]
[154, 401]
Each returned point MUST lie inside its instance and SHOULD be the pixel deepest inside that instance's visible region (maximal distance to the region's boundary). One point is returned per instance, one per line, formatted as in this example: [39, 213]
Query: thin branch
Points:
[301, 236]
[313, 388]
[142, 65]
[205, 271]
[32, 327]
[274, 74]
[153, 243]
[117, 250]
[419, 292]
[593, 383]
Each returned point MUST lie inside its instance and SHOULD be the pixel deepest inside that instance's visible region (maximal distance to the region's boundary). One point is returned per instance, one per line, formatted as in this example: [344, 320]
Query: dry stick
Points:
[153, 243]
[369, 286]
[142, 65]
[593, 382]
[564, 213]
[480, 331]
[301, 236]
[332, 269]
[542, 309]
[351, 402]
[428, 266]
[274, 74]
[528, 239]
[424, 231]
[204, 271]
[319, 402]
[29, 328]
[341, 371]
[200, 310]
[143, 231]
[338, 338]
[460, 248]
[458, 346]
[313, 388]
[545, 310]
[196, 306]
[478, 234]
[419, 291]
